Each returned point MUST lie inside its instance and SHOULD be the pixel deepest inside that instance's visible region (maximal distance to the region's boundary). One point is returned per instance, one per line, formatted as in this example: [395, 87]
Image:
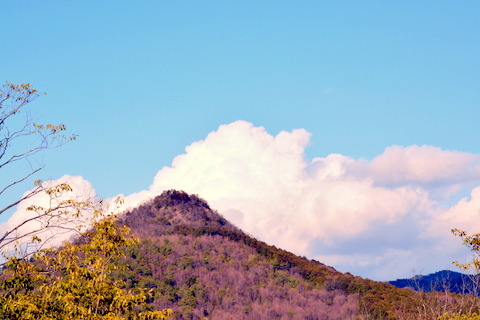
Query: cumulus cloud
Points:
[425, 164]
[445, 172]
[464, 215]
[383, 219]
[326, 206]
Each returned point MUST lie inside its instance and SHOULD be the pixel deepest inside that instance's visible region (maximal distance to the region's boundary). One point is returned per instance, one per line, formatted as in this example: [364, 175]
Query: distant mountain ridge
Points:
[441, 281]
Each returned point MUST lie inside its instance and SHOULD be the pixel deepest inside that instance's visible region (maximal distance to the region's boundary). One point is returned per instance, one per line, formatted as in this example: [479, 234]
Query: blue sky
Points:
[140, 82]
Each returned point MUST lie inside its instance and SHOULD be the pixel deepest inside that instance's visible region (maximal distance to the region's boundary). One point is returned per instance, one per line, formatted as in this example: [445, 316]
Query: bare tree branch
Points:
[21, 180]
[21, 139]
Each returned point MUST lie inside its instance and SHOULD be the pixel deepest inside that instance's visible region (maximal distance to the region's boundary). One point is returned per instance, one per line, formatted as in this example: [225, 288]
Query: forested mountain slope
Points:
[203, 267]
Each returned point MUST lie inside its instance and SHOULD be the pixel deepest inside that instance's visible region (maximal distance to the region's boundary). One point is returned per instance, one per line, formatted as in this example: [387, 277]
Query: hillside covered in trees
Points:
[200, 265]
[174, 257]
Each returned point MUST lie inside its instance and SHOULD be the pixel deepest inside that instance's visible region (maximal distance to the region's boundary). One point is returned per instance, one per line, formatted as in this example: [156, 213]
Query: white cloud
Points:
[464, 215]
[265, 186]
[380, 219]
[424, 165]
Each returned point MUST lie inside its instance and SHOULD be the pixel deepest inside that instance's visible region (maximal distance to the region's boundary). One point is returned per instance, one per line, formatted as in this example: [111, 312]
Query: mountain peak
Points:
[172, 210]
[178, 197]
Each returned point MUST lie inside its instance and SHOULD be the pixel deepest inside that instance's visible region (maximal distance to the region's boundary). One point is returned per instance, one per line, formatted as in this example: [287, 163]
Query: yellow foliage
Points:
[473, 316]
[472, 242]
[73, 282]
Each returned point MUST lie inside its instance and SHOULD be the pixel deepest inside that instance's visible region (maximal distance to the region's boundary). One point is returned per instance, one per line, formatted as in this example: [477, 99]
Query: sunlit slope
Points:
[203, 267]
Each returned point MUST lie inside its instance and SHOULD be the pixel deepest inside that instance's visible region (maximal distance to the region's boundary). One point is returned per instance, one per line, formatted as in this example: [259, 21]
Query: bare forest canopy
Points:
[203, 267]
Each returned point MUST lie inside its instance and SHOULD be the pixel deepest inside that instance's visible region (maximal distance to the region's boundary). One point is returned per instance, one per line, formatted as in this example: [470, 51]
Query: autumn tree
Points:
[74, 282]
[473, 269]
[473, 316]
[20, 139]
[473, 243]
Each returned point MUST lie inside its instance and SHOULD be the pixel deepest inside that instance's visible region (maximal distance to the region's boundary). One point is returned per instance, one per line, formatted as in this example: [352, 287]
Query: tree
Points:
[20, 139]
[473, 243]
[473, 316]
[73, 282]
[473, 269]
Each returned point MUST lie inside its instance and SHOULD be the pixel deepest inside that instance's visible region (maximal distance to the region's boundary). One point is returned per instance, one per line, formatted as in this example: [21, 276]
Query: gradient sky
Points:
[392, 81]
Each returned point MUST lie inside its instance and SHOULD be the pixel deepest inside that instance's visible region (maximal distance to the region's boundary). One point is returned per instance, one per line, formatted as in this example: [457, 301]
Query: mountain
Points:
[200, 265]
[441, 281]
